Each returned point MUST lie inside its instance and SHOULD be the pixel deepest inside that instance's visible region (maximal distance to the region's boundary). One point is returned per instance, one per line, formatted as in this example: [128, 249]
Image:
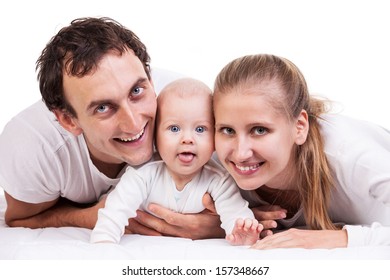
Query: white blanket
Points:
[72, 244]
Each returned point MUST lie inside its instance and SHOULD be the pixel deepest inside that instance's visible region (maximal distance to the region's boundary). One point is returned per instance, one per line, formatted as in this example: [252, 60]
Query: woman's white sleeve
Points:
[374, 235]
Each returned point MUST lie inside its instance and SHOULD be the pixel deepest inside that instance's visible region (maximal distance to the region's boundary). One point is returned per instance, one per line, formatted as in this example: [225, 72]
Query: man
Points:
[56, 164]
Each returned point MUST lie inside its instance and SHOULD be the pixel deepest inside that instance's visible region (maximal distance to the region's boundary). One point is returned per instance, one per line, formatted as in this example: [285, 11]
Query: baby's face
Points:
[185, 133]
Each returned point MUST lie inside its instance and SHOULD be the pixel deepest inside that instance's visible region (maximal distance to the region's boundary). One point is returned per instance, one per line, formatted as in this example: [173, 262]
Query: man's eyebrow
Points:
[95, 103]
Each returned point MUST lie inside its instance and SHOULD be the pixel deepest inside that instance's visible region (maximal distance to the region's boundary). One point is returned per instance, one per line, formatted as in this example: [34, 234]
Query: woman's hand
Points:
[267, 216]
[206, 224]
[308, 239]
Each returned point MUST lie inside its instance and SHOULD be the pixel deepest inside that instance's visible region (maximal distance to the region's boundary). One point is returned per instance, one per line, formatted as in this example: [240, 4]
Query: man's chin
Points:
[140, 159]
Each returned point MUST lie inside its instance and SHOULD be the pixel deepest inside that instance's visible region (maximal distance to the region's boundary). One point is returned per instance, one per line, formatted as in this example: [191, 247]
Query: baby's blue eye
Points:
[200, 129]
[174, 128]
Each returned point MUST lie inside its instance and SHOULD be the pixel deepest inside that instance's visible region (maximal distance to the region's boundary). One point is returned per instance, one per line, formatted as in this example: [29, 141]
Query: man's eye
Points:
[137, 90]
[200, 129]
[102, 108]
[174, 128]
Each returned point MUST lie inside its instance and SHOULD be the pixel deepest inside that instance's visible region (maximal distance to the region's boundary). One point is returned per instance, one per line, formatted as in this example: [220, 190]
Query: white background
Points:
[342, 47]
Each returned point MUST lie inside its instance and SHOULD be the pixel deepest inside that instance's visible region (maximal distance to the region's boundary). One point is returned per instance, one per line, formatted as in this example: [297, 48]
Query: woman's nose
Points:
[243, 149]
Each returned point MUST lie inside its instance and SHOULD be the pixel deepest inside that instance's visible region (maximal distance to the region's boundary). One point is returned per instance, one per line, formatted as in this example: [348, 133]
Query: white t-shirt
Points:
[359, 156]
[152, 183]
[40, 161]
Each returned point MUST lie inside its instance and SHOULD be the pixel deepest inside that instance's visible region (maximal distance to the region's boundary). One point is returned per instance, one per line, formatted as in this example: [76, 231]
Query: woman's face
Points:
[253, 141]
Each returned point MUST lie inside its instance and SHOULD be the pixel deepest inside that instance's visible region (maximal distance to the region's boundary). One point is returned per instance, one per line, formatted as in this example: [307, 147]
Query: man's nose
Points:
[127, 120]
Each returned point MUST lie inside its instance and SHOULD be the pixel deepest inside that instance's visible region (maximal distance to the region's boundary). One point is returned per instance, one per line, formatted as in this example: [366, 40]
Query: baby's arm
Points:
[120, 205]
[238, 221]
[245, 232]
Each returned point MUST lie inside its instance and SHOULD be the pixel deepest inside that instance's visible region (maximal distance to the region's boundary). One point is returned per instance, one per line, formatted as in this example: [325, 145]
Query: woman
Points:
[326, 173]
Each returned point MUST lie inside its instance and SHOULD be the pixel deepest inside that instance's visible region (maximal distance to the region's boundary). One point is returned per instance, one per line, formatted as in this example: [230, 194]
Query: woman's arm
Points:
[308, 239]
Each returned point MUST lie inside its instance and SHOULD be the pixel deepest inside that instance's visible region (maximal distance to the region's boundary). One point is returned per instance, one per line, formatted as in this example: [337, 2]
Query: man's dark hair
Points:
[78, 49]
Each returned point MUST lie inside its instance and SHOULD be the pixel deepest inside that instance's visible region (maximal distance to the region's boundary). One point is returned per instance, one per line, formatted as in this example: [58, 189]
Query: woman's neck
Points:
[287, 199]
[287, 179]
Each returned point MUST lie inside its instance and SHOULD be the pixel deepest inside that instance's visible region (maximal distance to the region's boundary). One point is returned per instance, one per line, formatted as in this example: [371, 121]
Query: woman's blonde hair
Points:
[314, 175]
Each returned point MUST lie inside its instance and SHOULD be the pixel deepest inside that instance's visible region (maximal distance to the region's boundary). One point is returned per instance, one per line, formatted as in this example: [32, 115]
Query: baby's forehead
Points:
[185, 89]
[186, 98]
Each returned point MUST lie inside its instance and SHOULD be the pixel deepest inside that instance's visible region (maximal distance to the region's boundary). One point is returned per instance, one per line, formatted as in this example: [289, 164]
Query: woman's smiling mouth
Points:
[247, 168]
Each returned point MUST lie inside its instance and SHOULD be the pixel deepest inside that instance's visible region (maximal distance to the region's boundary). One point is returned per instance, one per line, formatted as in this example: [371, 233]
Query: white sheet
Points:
[72, 244]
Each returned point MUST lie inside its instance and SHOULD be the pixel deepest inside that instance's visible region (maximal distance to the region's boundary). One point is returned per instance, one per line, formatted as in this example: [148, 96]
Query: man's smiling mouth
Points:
[131, 139]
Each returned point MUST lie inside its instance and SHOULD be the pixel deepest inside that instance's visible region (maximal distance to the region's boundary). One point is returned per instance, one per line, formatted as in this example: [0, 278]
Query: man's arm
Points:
[55, 213]
[60, 213]
[206, 224]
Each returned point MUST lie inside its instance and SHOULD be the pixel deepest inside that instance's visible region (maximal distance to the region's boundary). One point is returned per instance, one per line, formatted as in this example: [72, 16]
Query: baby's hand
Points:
[245, 232]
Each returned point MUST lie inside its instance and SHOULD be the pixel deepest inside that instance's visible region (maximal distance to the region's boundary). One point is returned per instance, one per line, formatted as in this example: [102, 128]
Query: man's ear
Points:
[68, 122]
[302, 128]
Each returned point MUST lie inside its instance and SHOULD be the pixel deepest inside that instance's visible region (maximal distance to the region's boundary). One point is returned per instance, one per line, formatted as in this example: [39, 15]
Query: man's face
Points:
[116, 108]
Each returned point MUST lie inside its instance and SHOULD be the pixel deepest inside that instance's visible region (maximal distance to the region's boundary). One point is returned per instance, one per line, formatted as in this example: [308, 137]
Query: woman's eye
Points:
[174, 128]
[227, 130]
[200, 129]
[259, 130]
